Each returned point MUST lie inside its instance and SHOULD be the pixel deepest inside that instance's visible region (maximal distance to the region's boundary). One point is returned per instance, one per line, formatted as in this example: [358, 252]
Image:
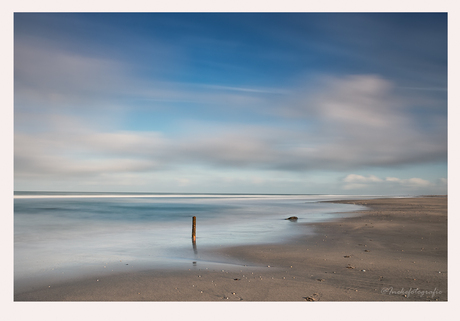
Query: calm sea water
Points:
[59, 236]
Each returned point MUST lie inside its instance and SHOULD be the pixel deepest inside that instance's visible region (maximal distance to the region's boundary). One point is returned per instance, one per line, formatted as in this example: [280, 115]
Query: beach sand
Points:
[393, 250]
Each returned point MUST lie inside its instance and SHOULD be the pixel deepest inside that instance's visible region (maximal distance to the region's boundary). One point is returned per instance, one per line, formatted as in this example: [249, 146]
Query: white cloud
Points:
[84, 152]
[354, 181]
[358, 121]
[409, 182]
[358, 100]
[353, 178]
[392, 185]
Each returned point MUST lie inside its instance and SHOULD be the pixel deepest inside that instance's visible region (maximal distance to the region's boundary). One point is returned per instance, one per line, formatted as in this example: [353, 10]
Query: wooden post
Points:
[194, 228]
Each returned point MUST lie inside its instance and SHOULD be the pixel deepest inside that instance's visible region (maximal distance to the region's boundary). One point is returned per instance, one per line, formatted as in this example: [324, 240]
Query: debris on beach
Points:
[366, 251]
[320, 280]
[309, 298]
[346, 256]
[292, 218]
[236, 279]
[350, 267]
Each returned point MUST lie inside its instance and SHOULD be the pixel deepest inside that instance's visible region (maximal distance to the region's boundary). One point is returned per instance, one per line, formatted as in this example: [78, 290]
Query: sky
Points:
[283, 103]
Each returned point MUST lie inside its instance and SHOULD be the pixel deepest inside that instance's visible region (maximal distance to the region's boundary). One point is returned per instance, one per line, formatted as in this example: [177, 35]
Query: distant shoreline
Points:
[395, 245]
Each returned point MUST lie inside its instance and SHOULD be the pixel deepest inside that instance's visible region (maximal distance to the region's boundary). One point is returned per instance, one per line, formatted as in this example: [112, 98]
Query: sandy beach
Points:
[395, 249]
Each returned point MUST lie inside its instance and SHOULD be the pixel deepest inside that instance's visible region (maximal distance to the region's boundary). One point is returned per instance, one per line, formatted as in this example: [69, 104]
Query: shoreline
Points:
[395, 250]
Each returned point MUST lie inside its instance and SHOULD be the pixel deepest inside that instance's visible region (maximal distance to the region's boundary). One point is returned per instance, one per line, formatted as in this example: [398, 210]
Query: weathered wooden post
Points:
[194, 229]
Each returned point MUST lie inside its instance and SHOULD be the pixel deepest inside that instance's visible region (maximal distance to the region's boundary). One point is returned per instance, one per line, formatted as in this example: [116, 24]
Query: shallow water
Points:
[59, 236]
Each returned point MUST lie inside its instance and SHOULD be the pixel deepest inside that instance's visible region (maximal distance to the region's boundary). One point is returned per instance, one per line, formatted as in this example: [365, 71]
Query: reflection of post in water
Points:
[194, 247]
[194, 234]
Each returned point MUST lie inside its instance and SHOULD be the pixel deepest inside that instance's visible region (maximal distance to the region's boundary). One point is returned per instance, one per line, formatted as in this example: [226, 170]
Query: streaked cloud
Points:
[357, 122]
[266, 108]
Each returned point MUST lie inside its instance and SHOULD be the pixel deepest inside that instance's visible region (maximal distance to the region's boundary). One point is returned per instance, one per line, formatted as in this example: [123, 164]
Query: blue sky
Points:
[233, 103]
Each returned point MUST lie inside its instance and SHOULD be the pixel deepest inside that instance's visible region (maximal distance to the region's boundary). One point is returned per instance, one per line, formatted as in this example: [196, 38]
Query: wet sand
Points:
[393, 250]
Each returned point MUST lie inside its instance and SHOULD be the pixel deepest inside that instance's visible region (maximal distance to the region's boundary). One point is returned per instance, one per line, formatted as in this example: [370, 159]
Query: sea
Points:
[60, 237]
